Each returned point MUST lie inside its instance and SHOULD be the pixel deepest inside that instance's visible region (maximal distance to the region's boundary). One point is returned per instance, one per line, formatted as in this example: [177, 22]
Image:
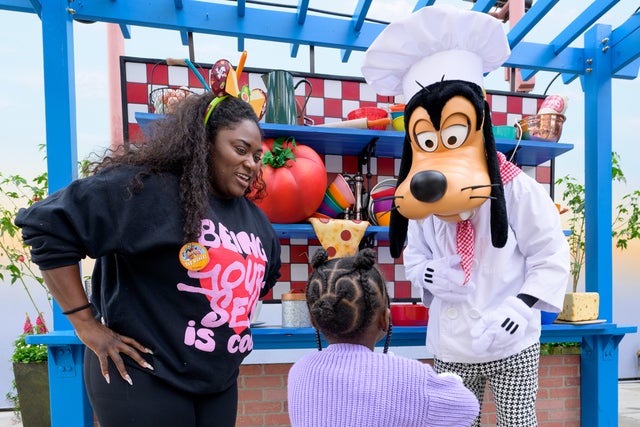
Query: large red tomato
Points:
[296, 181]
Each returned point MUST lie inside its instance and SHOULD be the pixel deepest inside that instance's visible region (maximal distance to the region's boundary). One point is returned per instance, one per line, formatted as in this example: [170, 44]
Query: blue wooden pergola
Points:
[607, 53]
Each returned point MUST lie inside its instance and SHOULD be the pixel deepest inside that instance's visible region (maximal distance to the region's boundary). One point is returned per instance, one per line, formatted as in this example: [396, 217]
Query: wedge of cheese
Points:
[580, 306]
[340, 237]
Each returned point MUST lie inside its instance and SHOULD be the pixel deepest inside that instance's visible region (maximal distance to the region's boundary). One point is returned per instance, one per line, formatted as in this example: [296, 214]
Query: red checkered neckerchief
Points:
[464, 229]
[508, 170]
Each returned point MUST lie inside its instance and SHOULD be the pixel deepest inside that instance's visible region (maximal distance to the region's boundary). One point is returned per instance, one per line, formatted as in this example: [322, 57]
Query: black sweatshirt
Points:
[196, 323]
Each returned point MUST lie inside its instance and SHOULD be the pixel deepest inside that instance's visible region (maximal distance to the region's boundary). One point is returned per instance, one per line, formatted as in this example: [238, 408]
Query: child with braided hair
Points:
[348, 383]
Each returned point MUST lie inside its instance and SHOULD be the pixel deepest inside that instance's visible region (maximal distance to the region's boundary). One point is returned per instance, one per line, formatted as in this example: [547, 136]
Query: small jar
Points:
[295, 313]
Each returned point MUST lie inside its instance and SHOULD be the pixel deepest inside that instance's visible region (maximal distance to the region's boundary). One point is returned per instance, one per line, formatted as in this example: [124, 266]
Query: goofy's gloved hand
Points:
[501, 327]
[444, 278]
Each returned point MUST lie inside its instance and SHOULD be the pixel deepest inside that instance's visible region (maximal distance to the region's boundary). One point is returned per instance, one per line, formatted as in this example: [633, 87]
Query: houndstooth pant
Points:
[513, 382]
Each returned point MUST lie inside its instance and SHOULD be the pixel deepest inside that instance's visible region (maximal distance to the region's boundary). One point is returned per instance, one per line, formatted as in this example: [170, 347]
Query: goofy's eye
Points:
[454, 136]
[428, 141]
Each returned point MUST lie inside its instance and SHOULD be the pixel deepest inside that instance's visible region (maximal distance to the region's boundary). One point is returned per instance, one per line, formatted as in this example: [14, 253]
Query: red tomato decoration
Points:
[296, 181]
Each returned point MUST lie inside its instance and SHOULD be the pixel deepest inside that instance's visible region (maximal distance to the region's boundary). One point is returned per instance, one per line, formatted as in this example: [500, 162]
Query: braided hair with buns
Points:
[344, 295]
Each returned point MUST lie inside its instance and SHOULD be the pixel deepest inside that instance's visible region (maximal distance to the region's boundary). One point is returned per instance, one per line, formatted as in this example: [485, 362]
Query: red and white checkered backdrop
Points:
[332, 98]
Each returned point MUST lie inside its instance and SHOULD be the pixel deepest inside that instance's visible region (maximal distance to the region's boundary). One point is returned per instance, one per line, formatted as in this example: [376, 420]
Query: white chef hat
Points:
[432, 44]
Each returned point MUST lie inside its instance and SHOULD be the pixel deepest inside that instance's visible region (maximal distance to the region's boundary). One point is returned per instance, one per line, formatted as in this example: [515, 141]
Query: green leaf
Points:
[280, 152]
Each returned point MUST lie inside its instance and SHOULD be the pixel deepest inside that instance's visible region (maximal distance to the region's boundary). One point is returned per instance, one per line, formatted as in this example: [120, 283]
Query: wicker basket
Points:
[163, 100]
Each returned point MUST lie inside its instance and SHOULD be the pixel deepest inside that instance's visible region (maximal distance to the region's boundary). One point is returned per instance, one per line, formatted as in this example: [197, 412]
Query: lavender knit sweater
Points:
[349, 385]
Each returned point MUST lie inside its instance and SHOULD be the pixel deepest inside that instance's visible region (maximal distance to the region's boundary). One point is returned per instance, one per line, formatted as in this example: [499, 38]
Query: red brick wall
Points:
[263, 394]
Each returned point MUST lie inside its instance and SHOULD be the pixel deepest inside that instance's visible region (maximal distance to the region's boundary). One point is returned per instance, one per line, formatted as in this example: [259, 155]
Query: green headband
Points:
[212, 105]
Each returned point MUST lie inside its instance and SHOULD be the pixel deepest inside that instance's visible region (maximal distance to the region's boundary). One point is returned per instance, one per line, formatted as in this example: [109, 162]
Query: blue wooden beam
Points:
[598, 143]
[537, 11]
[484, 5]
[358, 19]
[599, 381]
[18, 6]
[178, 4]
[184, 38]
[568, 78]
[579, 25]
[301, 10]
[242, 8]
[126, 31]
[624, 42]
[422, 3]
[293, 51]
[537, 56]
[69, 403]
[360, 14]
[222, 19]
[530, 19]
[60, 97]
[37, 7]
[629, 72]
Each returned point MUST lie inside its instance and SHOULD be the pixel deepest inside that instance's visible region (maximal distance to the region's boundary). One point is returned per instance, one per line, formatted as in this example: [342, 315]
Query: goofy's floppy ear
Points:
[499, 220]
[397, 223]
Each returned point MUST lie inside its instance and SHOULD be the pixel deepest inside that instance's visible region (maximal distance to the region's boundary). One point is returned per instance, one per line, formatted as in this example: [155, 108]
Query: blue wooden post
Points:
[599, 360]
[599, 380]
[69, 403]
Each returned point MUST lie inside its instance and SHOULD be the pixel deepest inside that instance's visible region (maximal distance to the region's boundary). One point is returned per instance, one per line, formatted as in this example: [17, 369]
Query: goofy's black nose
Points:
[428, 186]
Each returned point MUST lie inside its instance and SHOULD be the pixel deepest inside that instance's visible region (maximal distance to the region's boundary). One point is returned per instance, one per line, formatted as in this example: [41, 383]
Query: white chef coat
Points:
[534, 261]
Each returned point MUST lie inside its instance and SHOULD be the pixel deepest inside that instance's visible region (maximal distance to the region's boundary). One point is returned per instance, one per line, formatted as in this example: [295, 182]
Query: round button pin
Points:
[194, 256]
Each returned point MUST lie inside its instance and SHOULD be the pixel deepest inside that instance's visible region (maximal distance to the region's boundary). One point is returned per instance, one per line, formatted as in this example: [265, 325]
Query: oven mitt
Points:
[501, 327]
[444, 278]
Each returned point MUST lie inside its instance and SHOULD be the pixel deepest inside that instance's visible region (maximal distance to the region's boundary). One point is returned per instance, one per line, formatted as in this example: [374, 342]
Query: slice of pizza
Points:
[339, 237]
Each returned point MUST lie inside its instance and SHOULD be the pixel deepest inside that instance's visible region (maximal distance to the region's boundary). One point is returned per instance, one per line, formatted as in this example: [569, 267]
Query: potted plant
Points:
[624, 228]
[29, 361]
[31, 384]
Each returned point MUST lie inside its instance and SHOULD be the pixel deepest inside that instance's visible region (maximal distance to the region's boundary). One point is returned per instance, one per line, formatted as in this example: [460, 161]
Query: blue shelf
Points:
[351, 142]
[305, 231]
[276, 337]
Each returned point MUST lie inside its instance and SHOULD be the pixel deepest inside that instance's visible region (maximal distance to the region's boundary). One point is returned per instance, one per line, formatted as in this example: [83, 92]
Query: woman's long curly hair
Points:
[180, 144]
[344, 294]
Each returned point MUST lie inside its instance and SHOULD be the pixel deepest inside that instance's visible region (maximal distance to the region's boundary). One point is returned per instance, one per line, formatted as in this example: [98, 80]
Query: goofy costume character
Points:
[483, 239]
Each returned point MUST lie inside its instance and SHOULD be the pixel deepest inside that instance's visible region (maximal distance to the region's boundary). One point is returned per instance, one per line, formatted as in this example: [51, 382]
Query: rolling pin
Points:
[363, 123]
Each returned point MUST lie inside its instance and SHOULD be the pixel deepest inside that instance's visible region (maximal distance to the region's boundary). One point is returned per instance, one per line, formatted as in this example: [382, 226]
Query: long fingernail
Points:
[146, 365]
[128, 379]
[106, 378]
[148, 351]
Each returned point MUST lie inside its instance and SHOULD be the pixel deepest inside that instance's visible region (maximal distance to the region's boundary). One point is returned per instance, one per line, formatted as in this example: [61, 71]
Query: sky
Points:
[22, 113]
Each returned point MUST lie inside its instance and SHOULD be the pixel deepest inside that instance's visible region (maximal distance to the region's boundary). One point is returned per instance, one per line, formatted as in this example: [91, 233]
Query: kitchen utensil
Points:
[382, 192]
[339, 199]
[189, 64]
[505, 132]
[281, 98]
[329, 207]
[542, 127]
[371, 113]
[397, 116]
[409, 315]
[363, 123]
[398, 123]
[340, 191]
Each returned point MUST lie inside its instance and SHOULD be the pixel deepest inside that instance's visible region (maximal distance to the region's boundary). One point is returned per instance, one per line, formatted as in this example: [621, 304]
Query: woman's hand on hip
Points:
[107, 344]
